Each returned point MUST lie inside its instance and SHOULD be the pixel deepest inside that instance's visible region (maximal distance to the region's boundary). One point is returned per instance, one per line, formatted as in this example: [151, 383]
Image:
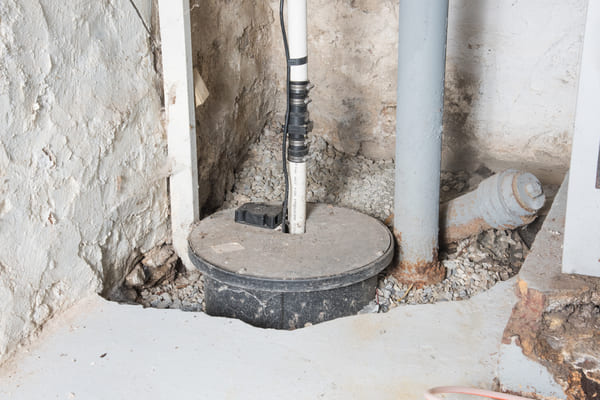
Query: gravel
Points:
[332, 177]
[473, 265]
[185, 292]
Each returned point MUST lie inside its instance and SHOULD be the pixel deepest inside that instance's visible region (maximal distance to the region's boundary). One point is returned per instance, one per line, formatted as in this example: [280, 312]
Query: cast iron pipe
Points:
[420, 102]
[503, 201]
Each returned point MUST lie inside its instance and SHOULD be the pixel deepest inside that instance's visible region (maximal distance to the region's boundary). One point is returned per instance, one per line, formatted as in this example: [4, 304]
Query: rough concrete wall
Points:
[353, 64]
[512, 69]
[511, 80]
[82, 155]
[233, 44]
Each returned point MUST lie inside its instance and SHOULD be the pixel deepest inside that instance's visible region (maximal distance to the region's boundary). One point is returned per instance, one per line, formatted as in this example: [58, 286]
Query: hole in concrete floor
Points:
[474, 264]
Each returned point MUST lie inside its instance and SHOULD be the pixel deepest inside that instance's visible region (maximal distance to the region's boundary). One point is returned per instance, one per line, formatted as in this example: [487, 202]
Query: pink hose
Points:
[430, 394]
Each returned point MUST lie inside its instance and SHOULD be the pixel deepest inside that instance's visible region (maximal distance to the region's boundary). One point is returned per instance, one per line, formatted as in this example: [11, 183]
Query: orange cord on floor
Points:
[430, 394]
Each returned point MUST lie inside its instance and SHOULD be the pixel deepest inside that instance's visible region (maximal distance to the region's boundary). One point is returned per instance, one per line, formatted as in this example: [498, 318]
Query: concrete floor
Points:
[103, 350]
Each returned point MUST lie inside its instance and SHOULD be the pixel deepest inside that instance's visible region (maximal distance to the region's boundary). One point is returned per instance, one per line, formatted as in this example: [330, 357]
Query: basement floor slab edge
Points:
[103, 350]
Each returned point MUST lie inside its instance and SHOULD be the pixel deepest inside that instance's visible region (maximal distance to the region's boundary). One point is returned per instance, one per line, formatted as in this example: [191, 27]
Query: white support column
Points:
[181, 127]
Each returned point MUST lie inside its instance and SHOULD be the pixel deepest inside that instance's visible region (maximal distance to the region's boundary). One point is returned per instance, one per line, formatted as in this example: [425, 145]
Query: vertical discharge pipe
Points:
[296, 13]
[421, 66]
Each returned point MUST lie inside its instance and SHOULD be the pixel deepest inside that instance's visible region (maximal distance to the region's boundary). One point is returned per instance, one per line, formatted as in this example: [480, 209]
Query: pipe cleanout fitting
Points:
[420, 101]
[503, 201]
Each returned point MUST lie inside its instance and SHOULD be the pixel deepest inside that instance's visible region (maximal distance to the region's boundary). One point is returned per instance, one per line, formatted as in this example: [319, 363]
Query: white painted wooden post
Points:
[581, 253]
[181, 127]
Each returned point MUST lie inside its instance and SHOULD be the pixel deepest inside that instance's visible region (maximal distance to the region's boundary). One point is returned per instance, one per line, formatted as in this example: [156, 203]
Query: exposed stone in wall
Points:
[82, 155]
[460, 101]
[352, 62]
[232, 43]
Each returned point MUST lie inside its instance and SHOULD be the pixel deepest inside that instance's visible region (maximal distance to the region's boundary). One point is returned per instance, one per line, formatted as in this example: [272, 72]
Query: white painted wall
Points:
[82, 155]
[519, 64]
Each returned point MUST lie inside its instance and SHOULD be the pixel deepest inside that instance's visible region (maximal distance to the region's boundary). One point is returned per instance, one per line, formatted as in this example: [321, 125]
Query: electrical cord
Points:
[139, 14]
[287, 119]
[430, 394]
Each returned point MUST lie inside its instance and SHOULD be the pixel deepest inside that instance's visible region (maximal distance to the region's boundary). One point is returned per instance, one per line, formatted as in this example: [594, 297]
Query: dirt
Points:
[561, 329]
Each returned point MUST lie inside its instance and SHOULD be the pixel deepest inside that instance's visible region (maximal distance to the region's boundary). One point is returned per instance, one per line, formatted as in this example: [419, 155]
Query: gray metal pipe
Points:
[421, 66]
[503, 201]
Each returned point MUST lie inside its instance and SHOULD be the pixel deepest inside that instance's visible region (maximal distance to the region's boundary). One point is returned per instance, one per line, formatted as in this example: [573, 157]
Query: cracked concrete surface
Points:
[82, 158]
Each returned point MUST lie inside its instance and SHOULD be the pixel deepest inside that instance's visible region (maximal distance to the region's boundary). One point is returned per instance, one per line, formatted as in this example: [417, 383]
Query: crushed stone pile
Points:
[333, 177]
[473, 265]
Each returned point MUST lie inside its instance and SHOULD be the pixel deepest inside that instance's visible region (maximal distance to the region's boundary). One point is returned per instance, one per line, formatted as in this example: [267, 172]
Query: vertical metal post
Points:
[421, 66]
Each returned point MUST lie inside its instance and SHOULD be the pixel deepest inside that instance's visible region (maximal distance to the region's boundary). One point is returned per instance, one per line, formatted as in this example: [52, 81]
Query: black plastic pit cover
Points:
[259, 214]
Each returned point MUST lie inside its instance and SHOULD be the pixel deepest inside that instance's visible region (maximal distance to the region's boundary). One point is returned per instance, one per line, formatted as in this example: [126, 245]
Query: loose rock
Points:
[136, 278]
[161, 281]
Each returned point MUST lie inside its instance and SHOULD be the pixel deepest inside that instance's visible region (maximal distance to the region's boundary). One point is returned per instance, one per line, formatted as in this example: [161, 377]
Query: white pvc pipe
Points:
[180, 120]
[297, 41]
[297, 198]
[296, 11]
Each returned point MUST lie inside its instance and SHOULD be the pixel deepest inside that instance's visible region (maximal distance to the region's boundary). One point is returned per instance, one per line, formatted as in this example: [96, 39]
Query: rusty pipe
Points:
[421, 67]
[503, 201]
